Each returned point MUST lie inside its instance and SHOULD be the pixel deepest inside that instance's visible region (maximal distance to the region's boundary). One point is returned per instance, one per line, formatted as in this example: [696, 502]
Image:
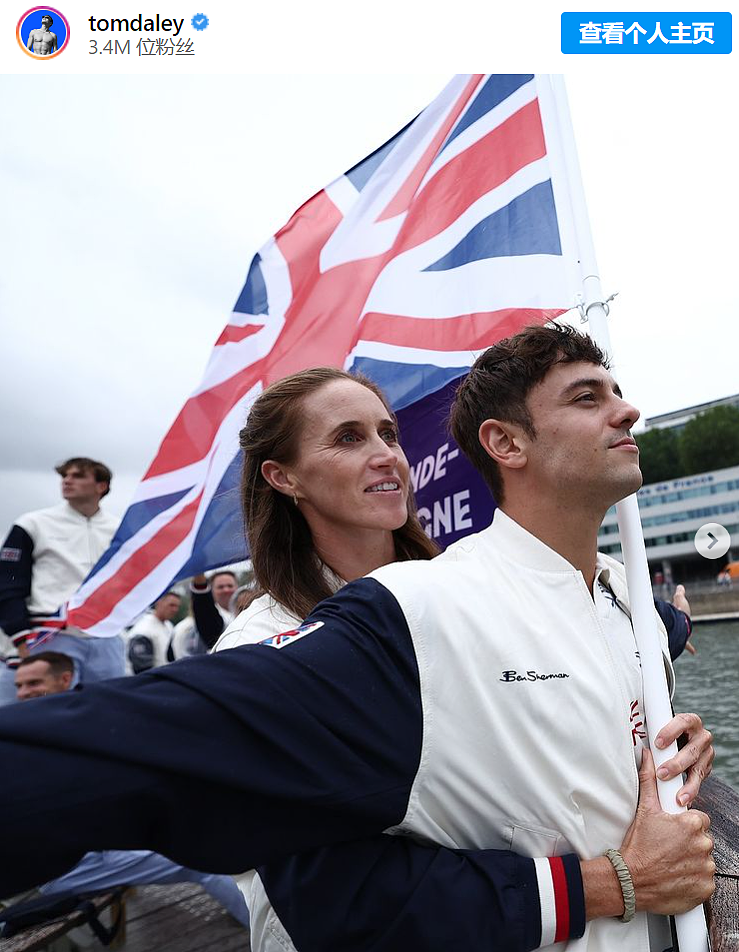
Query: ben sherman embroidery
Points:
[530, 676]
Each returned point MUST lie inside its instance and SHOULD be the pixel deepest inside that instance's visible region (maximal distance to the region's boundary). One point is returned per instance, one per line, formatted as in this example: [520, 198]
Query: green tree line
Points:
[708, 441]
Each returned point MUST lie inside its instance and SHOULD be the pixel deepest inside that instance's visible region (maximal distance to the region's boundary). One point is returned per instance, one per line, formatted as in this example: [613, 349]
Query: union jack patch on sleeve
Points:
[10, 555]
[287, 637]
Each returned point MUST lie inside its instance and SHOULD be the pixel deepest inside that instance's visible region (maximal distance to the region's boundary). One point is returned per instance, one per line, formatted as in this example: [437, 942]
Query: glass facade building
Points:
[673, 511]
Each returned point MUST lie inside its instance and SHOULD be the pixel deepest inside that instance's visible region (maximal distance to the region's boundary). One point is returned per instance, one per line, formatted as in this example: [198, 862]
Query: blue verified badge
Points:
[288, 637]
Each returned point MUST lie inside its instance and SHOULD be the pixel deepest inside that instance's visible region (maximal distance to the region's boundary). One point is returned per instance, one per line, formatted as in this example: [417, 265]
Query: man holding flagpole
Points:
[485, 702]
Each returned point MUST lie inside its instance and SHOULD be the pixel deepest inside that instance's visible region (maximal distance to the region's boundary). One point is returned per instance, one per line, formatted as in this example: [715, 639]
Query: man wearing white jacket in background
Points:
[45, 558]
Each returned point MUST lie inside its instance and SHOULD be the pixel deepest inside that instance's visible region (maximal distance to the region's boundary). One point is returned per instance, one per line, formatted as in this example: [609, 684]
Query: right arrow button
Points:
[712, 540]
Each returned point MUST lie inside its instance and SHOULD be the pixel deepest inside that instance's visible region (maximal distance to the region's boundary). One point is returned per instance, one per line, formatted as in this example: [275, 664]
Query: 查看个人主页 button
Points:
[646, 34]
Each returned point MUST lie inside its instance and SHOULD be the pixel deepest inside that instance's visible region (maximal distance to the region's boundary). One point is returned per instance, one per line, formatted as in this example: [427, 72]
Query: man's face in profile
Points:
[46, 21]
[583, 429]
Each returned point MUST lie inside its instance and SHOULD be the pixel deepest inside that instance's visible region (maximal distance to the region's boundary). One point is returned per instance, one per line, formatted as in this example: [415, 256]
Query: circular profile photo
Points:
[43, 32]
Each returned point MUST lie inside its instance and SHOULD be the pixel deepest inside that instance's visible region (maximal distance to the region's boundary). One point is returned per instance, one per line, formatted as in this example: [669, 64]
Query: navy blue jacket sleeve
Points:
[208, 619]
[392, 894]
[16, 565]
[678, 626]
[295, 747]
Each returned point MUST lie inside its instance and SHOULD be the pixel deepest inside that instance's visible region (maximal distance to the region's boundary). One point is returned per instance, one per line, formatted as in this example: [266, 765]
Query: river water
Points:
[708, 683]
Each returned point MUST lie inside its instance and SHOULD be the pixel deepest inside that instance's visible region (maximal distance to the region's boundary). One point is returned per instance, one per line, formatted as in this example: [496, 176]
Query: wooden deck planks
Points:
[180, 918]
[38, 938]
[721, 803]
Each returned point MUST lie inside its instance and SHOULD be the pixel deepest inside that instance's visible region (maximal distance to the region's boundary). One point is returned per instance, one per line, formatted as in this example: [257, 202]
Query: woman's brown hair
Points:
[285, 562]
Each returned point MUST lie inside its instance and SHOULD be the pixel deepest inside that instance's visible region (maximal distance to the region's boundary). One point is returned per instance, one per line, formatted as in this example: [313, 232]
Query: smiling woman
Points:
[327, 498]
[325, 489]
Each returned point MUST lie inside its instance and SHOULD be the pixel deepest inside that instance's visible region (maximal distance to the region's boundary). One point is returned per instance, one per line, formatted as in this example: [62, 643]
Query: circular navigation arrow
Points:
[712, 540]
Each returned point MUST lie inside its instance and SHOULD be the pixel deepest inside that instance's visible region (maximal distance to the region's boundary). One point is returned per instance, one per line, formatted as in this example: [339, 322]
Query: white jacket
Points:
[517, 606]
[160, 634]
[530, 611]
[262, 619]
[66, 546]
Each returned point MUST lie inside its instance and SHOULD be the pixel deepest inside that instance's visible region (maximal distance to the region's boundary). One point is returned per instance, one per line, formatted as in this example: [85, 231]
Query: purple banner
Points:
[453, 499]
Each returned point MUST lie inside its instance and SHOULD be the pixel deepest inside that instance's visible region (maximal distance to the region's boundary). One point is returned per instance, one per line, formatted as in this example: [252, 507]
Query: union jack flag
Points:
[446, 239]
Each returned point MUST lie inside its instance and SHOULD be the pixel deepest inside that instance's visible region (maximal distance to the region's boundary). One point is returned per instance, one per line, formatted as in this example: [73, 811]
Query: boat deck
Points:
[175, 918]
[184, 918]
[180, 918]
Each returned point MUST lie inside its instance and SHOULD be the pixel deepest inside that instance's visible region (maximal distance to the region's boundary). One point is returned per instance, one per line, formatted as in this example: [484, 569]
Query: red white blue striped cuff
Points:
[41, 626]
[561, 898]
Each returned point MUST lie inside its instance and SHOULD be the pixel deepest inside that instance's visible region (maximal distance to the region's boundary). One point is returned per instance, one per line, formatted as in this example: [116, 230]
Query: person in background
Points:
[724, 578]
[9, 660]
[147, 642]
[210, 612]
[44, 560]
[47, 672]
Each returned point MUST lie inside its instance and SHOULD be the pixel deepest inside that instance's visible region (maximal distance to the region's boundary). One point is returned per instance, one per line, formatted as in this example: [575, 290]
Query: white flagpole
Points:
[691, 927]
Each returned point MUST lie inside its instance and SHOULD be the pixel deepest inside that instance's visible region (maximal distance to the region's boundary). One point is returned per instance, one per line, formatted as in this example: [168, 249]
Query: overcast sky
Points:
[131, 208]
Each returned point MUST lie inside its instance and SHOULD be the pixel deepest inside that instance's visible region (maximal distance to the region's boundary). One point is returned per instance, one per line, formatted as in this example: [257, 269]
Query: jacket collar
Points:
[73, 513]
[519, 545]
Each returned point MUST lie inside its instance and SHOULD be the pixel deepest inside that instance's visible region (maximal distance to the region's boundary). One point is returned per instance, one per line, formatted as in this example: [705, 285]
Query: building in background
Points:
[676, 419]
[672, 511]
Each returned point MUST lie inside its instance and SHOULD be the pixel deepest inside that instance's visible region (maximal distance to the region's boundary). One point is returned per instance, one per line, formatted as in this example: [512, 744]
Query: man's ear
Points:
[279, 477]
[66, 679]
[504, 442]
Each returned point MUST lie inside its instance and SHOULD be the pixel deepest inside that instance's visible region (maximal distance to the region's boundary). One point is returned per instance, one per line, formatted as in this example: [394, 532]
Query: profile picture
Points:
[43, 32]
